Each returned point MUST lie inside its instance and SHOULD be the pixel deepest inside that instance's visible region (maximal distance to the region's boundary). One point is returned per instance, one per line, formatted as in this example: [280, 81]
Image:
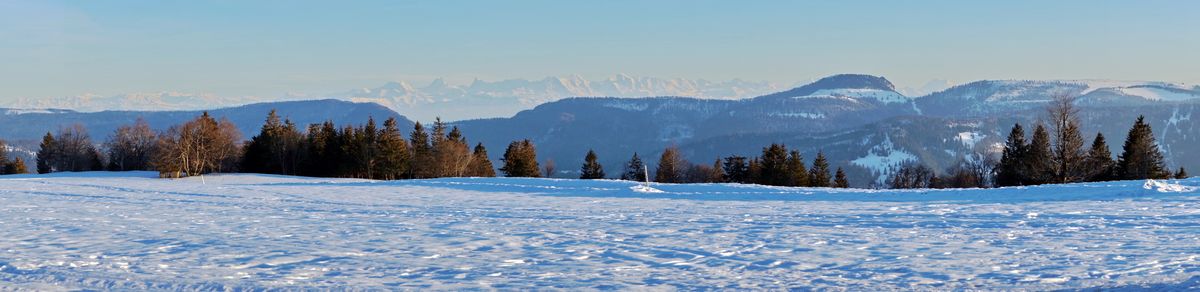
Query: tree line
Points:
[777, 167]
[1054, 153]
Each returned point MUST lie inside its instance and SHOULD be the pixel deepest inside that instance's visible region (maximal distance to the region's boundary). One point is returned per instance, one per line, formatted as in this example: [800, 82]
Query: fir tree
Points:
[839, 179]
[481, 165]
[1181, 174]
[670, 167]
[422, 153]
[591, 167]
[798, 173]
[634, 169]
[1039, 160]
[394, 154]
[753, 170]
[1010, 172]
[737, 170]
[774, 161]
[47, 156]
[819, 176]
[1140, 157]
[1099, 160]
[520, 160]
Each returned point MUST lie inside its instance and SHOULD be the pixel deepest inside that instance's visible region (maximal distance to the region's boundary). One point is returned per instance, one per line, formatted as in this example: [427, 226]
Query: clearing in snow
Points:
[131, 231]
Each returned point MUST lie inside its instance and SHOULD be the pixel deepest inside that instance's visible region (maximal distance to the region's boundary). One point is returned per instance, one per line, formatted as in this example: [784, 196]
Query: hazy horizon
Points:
[64, 48]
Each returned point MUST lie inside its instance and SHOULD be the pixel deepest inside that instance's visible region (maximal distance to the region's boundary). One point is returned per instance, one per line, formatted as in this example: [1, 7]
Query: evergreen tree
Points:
[798, 174]
[774, 165]
[737, 170]
[634, 169]
[1140, 157]
[1039, 160]
[481, 165]
[394, 154]
[520, 160]
[257, 153]
[753, 170]
[671, 167]
[422, 153]
[1181, 174]
[1010, 172]
[591, 167]
[1099, 161]
[47, 157]
[819, 176]
[839, 179]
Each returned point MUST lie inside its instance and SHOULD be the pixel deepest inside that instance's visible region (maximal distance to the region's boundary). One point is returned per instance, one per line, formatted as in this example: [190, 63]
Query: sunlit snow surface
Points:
[128, 231]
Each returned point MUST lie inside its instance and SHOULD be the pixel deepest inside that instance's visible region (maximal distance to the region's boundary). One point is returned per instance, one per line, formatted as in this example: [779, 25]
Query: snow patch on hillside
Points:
[969, 139]
[884, 96]
[882, 159]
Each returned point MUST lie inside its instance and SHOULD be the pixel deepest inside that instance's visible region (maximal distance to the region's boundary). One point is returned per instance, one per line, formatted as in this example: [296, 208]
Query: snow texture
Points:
[129, 231]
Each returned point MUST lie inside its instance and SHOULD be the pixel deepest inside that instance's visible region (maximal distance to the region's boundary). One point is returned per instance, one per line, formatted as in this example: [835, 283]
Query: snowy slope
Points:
[126, 231]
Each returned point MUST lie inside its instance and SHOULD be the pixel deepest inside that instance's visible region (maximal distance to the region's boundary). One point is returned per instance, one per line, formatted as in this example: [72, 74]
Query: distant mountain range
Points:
[861, 122]
[437, 99]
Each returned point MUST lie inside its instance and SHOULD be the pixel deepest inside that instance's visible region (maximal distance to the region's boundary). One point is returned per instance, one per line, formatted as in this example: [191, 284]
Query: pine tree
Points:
[422, 153]
[1141, 157]
[839, 179]
[257, 154]
[774, 165]
[1010, 172]
[16, 166]
[591, 167]
[634, 169]
[798, 173]
[1099, 161]
[670, 167]
[481, 165]
[737, 171]
[819, 176]
[754, 170]
[394, 154]
[1039, 160]
[46, 155]
[1181, 174]
[520, 160]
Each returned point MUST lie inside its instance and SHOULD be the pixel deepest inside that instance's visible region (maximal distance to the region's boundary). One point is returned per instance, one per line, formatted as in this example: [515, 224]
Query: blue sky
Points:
[57, 48]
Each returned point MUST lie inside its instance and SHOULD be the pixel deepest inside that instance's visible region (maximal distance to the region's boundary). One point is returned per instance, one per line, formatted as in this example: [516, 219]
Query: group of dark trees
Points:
[364, 151]
[777, 166]
[1056, 154]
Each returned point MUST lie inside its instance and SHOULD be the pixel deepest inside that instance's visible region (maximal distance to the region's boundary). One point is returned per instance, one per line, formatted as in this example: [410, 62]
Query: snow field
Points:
[129, 231]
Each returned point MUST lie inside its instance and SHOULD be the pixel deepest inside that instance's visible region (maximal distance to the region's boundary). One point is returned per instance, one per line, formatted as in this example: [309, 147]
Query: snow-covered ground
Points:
[129, 231]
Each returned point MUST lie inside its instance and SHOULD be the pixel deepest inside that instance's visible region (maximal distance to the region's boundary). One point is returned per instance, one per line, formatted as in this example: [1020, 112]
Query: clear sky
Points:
[57, 48]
